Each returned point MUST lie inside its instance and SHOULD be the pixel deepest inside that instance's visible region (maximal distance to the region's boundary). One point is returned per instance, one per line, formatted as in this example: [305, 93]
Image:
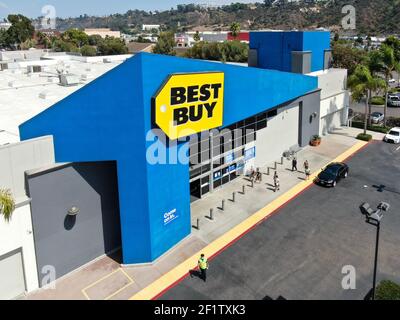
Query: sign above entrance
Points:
[190, 103]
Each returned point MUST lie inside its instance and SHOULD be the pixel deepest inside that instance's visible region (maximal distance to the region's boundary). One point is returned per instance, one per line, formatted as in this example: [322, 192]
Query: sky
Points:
[74, 8]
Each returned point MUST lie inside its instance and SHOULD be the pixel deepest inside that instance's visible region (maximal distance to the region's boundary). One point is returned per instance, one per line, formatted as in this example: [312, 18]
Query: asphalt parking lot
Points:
[360, 107]
[299, 252]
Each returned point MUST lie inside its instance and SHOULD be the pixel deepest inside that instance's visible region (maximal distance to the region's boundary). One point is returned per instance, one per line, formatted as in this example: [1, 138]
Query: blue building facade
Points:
[274, 49]
[110, 119]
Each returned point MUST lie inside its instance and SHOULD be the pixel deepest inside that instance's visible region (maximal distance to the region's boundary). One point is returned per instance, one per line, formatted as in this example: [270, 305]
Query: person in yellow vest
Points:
[203, 266]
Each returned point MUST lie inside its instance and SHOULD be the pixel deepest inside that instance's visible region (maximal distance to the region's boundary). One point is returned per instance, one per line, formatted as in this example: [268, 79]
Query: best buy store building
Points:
[119, 116]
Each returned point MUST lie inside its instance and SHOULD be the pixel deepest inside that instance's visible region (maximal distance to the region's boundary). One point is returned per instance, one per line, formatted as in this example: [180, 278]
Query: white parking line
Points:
[398, 148]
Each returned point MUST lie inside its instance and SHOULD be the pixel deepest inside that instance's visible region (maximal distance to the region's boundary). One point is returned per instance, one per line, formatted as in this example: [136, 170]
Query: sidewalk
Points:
[105, 279]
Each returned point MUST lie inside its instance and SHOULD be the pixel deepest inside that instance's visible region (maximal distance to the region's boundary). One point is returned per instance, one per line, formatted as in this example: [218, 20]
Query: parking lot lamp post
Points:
[377, 224]
[373, 217]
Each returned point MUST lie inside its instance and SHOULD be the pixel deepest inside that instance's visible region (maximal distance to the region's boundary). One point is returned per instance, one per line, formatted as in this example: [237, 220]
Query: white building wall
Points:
[18, 234]
[334, 103]
[15, 159]
[334, 98]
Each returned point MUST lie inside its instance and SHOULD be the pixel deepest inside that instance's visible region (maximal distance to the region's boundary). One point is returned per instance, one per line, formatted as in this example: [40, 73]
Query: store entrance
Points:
[199, 188]
[226, 174]
[195, 190]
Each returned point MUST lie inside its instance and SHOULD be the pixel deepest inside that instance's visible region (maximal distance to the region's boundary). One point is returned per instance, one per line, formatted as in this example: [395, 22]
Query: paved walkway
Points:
[106, 279]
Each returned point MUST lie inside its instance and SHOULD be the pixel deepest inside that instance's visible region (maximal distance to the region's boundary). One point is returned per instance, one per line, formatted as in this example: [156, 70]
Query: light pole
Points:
[373, 217]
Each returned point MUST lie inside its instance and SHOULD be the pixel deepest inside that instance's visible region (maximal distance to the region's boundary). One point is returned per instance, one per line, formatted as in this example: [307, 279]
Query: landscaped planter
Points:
[315, 141]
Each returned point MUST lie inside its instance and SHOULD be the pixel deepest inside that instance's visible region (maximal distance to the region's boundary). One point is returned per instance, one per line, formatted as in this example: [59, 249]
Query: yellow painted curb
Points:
[181, 270]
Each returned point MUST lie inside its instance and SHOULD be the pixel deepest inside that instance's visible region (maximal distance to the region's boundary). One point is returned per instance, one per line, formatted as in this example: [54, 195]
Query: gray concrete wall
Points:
[67, 242]
[309, 116]
[16, 158]
[280, 135]
[301, 62]
[327, 59]
[295, 124]
[253, 58]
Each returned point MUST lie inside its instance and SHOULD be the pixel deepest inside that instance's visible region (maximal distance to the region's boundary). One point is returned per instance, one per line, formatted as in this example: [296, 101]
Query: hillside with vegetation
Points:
[373, 17]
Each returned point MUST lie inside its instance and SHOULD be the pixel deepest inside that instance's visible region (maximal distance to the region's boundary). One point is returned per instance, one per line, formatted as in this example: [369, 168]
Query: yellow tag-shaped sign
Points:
[190, 103]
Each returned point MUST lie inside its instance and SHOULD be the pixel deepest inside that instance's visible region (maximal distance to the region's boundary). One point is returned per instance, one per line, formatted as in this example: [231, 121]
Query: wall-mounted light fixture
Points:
[314, 114]
[73, 211]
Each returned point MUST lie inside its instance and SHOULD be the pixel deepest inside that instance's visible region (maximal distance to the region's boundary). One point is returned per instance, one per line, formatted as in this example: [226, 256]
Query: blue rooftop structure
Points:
[274, 48]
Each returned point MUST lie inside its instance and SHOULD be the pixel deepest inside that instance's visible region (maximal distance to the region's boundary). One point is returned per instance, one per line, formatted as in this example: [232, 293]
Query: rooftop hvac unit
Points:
[45, 94]
[107, 60]
[69, 80]
[52, 80]
[34, 69]
[11, 84]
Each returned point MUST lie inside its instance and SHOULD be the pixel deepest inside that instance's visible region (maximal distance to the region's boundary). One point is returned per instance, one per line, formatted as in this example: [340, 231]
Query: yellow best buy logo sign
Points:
[190, 103]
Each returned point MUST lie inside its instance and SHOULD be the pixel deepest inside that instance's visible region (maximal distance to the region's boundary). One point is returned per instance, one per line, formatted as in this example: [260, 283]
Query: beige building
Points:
[103, 32]
[135, 47]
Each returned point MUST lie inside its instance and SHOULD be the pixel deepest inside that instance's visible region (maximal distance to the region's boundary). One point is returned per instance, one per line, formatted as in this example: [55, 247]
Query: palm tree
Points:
[235, 29]
[361, 84]
[389, 64]
[7, 204]
[374, 63]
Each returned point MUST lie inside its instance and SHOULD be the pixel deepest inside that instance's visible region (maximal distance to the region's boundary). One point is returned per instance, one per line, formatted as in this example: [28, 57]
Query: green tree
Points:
[336, 37]
[389, 64]
[268, 3]
[165, 44]
[95, 39]
[7, 204]
[346, 57]
[394, 43]
[76, 36]
[60, 45]
[43, 39]
[196, 36]
[361, 84]
[142, 40]
[21, 29]
[30, 43]
[88, 51]
[112, 46]
[3, 39]
[232, 51]
[235, 29]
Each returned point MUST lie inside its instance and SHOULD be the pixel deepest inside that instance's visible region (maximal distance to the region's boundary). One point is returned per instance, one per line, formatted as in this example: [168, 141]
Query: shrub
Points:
[88, 51]
[387, 290]
[393, 90]
[360, 125]
[378, 100]
[315, 137]
[364, 137]
[232, 51]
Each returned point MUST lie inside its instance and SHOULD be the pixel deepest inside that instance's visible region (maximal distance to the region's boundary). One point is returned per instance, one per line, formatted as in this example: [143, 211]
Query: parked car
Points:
[392, 80]
[393, 101]
[393, 136]
[377, 117]
[332, 174]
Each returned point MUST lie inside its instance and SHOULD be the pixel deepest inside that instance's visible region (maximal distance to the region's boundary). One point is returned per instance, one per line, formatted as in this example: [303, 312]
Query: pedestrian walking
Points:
[203, 266]
[307, 170]
[258, 175]
[276, 182]
[294, 164]
[306, 165]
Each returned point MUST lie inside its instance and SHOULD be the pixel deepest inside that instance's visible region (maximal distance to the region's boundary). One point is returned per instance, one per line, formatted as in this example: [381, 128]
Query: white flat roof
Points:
[23, 96]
